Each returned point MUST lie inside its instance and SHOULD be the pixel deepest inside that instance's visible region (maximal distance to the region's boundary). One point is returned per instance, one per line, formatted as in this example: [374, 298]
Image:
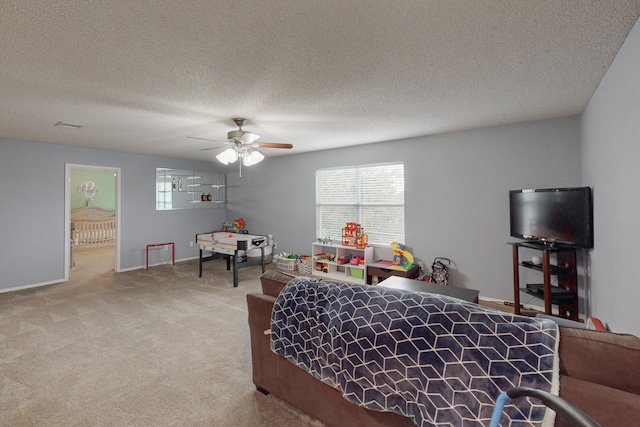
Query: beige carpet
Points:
[159, 348]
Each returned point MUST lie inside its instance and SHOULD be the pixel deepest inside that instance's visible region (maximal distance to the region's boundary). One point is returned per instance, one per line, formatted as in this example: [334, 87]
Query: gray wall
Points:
[32, 193]
[611, 154]
[456, 193]
[469, 173]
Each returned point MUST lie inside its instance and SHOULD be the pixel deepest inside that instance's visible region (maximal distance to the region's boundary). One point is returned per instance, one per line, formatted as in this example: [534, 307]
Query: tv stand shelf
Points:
[555, 270]
[558, 295]
[565, 295]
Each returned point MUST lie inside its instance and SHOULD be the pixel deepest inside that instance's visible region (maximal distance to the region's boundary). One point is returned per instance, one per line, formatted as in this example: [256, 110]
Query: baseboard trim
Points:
[527, 306]
[31, 285]
[54, 282]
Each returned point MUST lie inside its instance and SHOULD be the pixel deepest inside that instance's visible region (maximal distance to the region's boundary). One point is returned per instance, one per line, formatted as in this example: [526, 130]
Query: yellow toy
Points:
[401, 256]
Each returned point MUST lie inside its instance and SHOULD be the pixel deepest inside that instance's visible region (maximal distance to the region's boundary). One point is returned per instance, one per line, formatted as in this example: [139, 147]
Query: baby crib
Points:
[92, 225]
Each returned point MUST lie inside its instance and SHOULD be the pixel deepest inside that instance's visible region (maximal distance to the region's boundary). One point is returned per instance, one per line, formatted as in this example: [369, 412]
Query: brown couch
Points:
[599, 373]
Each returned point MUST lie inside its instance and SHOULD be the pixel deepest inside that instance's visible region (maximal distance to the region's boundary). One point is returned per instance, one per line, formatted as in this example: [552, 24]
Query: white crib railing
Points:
[93, 231]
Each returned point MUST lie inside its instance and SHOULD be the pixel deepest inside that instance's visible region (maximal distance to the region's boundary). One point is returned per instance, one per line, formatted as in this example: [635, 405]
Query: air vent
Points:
[69, 125]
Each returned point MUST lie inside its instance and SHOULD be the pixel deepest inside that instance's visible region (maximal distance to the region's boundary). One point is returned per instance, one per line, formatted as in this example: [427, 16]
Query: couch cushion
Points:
[604, 358]
[608, 406]
[273, 281]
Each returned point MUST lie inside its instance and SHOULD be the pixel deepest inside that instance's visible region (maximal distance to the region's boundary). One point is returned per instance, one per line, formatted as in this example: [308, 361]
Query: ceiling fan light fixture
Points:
[227, 156]
[242, 146]
[242, 136]
[252, 157]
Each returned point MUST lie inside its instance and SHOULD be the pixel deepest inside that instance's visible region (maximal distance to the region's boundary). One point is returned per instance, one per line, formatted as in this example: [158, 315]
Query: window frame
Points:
[360, 204]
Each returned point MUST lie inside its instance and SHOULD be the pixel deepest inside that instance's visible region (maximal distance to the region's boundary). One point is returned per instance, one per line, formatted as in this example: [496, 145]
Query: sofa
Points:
[599, 372]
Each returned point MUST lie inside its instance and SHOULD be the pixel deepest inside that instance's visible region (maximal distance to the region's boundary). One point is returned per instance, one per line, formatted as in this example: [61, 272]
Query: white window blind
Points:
[371, 195]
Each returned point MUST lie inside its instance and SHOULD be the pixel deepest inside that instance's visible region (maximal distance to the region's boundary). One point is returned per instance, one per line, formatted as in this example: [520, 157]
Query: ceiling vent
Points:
[68, 125]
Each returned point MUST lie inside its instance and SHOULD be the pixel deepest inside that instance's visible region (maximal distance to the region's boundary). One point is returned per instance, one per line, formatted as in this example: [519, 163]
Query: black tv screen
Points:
[562, 216]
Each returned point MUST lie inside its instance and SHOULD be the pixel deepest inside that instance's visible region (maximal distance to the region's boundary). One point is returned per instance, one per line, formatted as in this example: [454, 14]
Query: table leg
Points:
[262, 257]
[235, 270]
[200, 264]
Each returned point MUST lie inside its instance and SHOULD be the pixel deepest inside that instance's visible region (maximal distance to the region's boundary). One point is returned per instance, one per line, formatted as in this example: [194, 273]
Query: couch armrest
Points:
[273, 281]
[605, 358]
[260, 307]
[274, 374]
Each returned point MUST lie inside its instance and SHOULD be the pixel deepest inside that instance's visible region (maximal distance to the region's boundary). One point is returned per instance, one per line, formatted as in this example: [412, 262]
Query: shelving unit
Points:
[181, 189]
[334, 269]
[564, 294]
[213, 191]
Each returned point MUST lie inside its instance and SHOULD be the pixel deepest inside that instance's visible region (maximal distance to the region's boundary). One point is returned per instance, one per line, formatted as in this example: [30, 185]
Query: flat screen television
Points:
[553, 216]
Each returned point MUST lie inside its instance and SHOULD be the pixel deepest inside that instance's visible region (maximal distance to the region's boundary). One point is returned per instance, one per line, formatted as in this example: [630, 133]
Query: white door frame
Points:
[67, 213]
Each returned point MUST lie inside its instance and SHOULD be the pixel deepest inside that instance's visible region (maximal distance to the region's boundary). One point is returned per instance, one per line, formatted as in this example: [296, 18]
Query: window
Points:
[371, 195]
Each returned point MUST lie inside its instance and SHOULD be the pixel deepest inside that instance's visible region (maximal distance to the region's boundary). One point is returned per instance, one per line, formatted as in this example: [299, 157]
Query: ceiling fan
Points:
[242, 145]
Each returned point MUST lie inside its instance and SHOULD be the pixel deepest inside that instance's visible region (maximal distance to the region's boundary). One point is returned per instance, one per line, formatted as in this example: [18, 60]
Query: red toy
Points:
[356, 260]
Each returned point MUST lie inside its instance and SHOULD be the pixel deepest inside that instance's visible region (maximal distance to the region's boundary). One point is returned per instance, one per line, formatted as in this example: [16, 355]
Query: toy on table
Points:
[401, 256]
[234, 227]
[239, 224]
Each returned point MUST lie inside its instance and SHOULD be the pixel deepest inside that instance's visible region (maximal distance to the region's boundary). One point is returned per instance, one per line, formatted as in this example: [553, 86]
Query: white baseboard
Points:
[54, 282]
[31, 285]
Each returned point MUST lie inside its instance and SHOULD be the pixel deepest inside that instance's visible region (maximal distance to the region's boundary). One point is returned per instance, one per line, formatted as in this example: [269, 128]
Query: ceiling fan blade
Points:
[205, 139]
[248, 137]
[273, 145]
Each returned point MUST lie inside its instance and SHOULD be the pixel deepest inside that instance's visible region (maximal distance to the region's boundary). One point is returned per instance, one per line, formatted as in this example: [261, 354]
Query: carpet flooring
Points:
[157, 347]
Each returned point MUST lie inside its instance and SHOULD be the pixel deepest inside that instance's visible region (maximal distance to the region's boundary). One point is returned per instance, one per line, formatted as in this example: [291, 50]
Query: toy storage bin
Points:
[357, 273]
[285, 263]
[305, 264]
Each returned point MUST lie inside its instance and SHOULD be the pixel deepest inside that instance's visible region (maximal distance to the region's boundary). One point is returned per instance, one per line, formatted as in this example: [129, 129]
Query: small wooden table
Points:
[397, 282]
[382, 271]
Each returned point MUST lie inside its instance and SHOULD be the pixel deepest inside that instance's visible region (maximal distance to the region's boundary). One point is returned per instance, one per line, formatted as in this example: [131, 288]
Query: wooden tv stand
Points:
[565, 294]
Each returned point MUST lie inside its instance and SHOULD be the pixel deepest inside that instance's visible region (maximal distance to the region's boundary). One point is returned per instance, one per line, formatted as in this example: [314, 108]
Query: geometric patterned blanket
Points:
[438, 360]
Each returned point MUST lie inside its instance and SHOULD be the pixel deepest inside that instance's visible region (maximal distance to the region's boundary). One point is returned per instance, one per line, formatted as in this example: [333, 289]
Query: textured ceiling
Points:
[141, 76]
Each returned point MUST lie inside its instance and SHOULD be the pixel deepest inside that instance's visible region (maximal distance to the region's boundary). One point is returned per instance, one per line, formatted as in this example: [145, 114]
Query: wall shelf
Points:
[183, 189]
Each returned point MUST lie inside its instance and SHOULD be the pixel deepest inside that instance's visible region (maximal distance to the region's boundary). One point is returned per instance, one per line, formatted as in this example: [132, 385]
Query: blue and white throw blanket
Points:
[438, 360]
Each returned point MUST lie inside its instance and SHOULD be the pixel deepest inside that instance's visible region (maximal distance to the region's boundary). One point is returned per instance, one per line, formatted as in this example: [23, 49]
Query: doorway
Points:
[92, 189]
